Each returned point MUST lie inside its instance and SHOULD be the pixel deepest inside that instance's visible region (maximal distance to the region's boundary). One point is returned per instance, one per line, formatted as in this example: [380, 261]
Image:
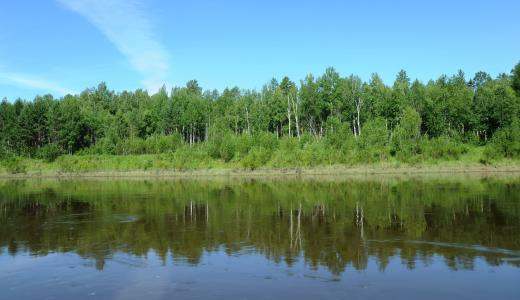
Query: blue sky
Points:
[62, 46]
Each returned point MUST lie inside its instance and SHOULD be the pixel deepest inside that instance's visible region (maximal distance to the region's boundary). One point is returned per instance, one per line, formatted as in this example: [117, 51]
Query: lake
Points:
[267, 238]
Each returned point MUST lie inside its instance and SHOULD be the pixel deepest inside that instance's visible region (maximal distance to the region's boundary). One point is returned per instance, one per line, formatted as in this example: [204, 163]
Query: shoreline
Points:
[334, 170]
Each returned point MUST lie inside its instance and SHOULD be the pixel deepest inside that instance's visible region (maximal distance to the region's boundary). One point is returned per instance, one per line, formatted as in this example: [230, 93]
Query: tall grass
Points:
[264, 150]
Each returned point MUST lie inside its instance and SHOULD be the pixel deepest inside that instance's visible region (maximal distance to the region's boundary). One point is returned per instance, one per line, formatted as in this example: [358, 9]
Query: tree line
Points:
[345, 111]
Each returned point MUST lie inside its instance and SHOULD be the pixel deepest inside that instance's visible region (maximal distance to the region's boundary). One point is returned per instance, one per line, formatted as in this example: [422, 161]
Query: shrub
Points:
[286, 157]
[407, 134]
[374, 134]
[288, 153]
[505, 142]
[49, 152]
[222, 146]
[102, 146]
[157, 144]
[187, 158]
[340, 137]
[227, 148]
[74, 163]
[372, 144]
[4, 153]
[257, 157]
[131, 146]
[266, 140]
[305, 139]
[289, 144]
[243, 143]
[65, 164]
[315, 153]
[443, 147]
[15, 165]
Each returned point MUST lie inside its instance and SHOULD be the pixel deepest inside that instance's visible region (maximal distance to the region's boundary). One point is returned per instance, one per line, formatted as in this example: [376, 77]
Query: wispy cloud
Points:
[126, 25]
[31, 82]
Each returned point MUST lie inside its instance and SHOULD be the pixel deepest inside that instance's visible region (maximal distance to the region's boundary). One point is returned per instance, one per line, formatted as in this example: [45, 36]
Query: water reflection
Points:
[335, 224]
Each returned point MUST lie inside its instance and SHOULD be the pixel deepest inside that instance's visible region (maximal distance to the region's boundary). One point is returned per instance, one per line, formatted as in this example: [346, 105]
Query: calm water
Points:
[260, 239]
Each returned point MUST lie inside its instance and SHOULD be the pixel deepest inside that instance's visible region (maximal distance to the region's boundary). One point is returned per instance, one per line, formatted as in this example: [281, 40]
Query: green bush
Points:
[65, 163]
[504, 143]
[306, 138]
[14, 165]
[289, 144]
[222, 146]
[338, 138]
[131, 146]
[189, 158]
[406, 136]
[443, 147]
[374, 134]
[316, 153]
[157, 144]
[244, 143]
[104, 145]
[266, 140]
[4, 153]
[372, 144]
[260, 149]
[49, 152]
[257, 157]
[227, 148]
[288, 153]
[283, 159]
[74, 163]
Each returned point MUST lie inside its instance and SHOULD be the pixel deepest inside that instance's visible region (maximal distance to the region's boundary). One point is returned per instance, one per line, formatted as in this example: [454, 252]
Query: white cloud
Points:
[30, 82]
[130, 30]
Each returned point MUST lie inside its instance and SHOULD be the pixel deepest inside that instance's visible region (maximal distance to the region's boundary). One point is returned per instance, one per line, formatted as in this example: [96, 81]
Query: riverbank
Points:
[40, 169]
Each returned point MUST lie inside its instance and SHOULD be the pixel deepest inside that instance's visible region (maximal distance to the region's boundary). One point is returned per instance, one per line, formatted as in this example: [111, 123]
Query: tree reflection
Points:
[335, 224]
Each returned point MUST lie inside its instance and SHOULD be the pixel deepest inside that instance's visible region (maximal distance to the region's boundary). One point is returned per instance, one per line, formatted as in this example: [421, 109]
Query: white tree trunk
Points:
[289, 114]
[296, 118]
[358, 108]
[247, 120]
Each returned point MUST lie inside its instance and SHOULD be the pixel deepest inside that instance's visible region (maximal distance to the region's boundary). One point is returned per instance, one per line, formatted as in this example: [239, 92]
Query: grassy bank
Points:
[194, 163]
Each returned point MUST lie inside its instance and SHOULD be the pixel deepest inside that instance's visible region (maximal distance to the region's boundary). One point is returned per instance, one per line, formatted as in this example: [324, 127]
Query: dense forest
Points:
[320, 120]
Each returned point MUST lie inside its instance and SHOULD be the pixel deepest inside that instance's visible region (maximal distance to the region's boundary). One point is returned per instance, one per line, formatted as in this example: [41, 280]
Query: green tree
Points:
[515, 80]
[406, 136]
